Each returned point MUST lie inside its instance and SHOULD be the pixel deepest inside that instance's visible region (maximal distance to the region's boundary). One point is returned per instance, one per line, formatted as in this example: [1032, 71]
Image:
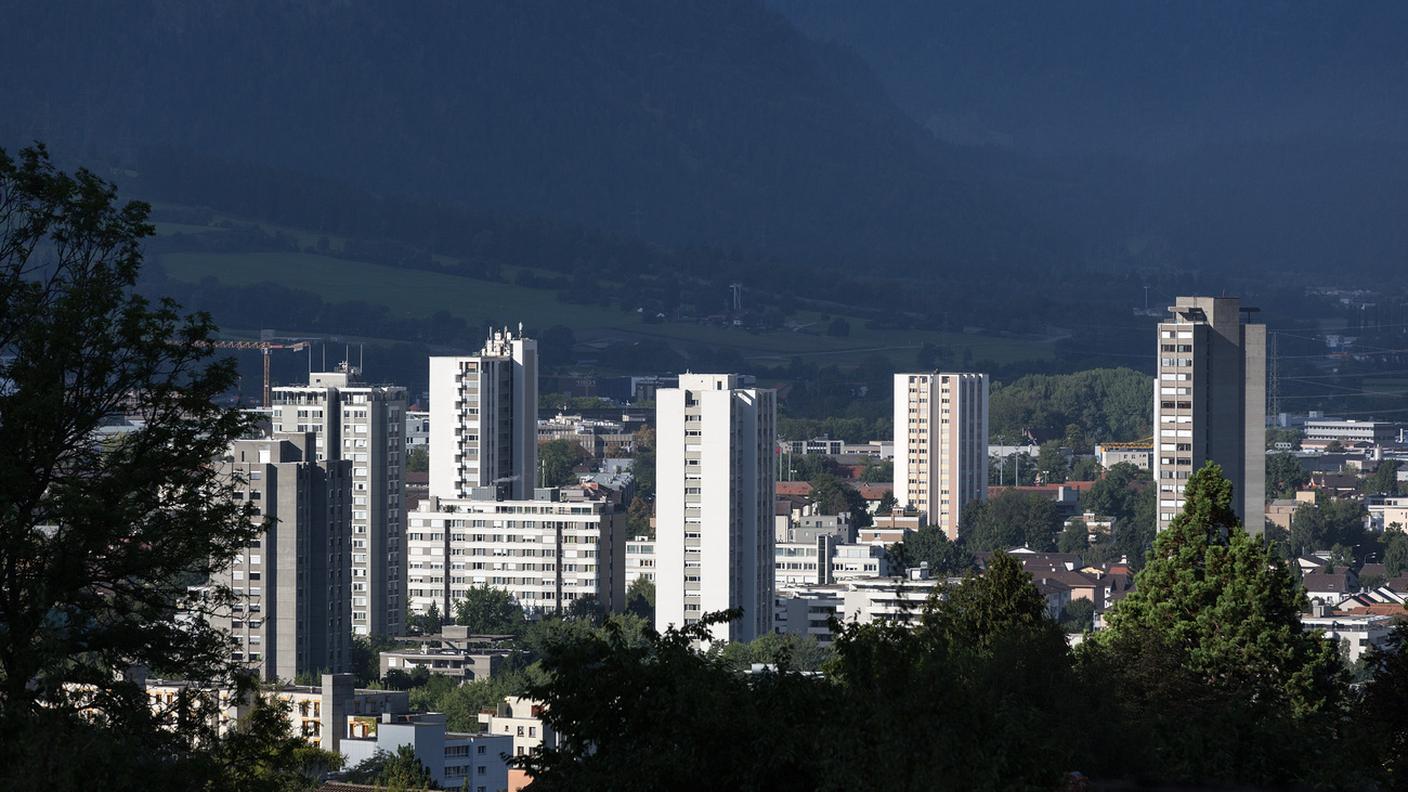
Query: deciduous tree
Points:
[100, 540]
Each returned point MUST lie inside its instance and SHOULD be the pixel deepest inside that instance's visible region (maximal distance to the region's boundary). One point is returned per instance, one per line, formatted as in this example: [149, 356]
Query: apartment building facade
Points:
[546, 553]
[365, 425]
[292, 612]
[715, 447]
[941, 444]
[1210, 404]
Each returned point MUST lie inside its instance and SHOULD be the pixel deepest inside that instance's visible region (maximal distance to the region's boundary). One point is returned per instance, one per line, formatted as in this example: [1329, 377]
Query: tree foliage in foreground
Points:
[99, 540]
[1205, 677]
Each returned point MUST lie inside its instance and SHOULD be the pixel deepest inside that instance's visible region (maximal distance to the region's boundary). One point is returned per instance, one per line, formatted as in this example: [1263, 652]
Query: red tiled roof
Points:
[793, 488]
[874, 492]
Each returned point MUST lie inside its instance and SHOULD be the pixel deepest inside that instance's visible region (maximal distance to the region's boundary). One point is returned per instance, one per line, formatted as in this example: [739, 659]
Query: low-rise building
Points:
[316, 713]
[808, 610]
[1349, 431]
[1389, 515]
[1328, 588]
[1140, 454]
[454, 653]
[455, 760]
[640, 559]
[417, 429]
[521, 719]
[1354, 633]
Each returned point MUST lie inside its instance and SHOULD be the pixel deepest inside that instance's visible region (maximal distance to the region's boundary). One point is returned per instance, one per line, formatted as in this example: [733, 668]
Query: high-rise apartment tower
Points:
[941, 444]
[484, 419]
[1210, 404]
[291, 614]
[714, 463]
[365, 425]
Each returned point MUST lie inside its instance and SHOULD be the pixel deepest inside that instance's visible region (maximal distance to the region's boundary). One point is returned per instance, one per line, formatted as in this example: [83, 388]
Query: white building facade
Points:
[714, 504]
[484, 418]
[545, 553]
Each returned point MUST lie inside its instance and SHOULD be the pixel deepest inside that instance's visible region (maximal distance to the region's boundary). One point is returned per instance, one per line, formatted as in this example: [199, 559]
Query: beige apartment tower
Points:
[1210, 404]
[941, 444]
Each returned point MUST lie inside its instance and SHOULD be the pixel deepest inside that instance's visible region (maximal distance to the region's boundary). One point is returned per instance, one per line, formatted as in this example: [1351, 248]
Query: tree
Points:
[262, 753]
[1078, 616]
[587, 608]
[1395, 552]
[643, 468]
[401, 771]
[640, 598]
[1284, 475]
[427, 623]
[887, 503]
[418, 460]
[1211, 638]
[1012, 519]
[489, 611]
[638, 518]
[931, 545]
[1383, 481]
[1084, 469]
[879, 472]
[1051, 463]
[1229, 606]
[788, 652]
[834, 496]
[558, 460]
[1328, 522]
[366, 657]
[99, 541]
[838, 328]
[627, 707]
[986, 647]
[1116, 493]
[1384, 712]
[1074, 538]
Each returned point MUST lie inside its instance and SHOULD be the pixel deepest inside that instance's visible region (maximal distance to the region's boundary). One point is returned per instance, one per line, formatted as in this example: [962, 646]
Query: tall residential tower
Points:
[714, 461]
[291, 614]
[484, 419]
[1210, 404]
[365, 425]
[941, 444]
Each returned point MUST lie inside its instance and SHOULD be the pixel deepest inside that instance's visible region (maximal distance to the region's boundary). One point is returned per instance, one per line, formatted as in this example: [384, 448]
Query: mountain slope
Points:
[697, 122]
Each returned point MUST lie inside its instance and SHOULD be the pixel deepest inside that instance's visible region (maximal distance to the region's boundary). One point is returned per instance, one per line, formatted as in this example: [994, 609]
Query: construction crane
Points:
[265, 347]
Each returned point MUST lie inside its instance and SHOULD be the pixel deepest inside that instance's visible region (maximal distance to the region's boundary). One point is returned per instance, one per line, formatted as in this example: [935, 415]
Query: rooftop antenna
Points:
[361, 356]
[325, 356]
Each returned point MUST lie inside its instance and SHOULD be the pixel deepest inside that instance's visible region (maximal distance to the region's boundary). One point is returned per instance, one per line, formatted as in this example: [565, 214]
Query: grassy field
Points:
[416, 293]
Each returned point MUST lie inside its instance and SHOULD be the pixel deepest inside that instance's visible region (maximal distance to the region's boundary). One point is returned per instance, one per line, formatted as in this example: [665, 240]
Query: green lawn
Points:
[416, 293]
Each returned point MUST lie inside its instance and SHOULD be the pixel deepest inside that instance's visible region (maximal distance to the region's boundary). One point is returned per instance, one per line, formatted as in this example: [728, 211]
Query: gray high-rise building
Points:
[365, 425]
[291, 614]
[1210, 404]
